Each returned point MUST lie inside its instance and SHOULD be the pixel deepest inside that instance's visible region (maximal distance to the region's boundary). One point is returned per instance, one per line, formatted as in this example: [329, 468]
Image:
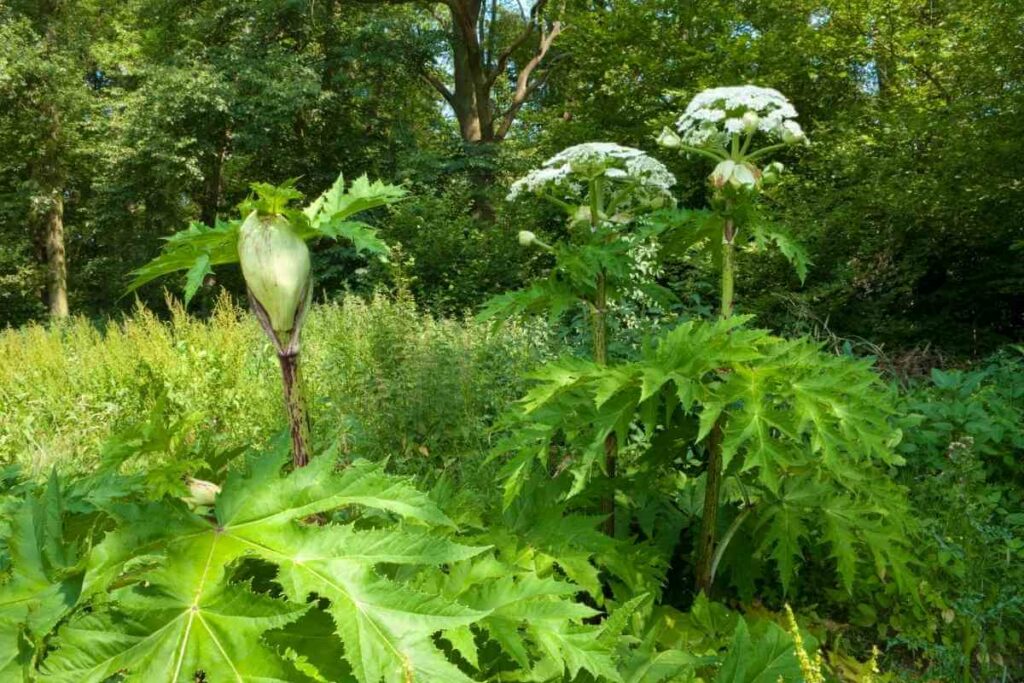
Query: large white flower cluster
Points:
[713, 116]
[579, 163]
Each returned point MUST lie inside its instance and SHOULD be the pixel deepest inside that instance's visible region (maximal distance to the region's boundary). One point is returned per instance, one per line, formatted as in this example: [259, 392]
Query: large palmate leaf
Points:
[534, 619]
[196, 250]
[186, 616]
[328, 215]
[764, 656]
[45, 580]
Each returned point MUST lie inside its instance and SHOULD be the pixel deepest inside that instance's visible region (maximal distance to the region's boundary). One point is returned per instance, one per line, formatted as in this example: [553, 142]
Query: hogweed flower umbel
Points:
[722, 124]
[567, 173]
[714, 116]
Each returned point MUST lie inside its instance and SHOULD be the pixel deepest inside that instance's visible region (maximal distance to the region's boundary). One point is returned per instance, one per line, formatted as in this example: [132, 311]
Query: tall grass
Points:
[386, 379]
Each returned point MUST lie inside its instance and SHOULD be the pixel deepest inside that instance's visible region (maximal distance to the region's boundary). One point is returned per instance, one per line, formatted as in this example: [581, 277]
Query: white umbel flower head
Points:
[569, 170]
[714, 115]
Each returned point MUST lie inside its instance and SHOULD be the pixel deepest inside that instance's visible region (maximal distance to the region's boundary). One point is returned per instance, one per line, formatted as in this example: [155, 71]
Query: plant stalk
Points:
[291, 376]
[706, 564]
[724, 543]
[600, 324]
[611, 443]
[295, 405]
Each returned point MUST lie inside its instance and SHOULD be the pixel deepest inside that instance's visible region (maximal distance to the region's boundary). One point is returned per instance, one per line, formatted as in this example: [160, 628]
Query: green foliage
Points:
[376, 366]
[330, 572]
[43, 577]
[963, 446]
[185, 616]
[806, 438]
[200, 247]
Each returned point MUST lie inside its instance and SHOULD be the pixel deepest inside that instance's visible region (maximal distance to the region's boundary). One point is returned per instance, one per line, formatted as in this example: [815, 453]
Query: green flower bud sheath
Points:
[275, 263]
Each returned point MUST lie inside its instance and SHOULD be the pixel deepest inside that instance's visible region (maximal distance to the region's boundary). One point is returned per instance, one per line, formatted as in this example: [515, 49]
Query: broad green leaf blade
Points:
[194, 278]
[766, 656]
[312, 646]
[339, 204]
[188, 249]
[45, 580]
[184, 621]
[263, 497]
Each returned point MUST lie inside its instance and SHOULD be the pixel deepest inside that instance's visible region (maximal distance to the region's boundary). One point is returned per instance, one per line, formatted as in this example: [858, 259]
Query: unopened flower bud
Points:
[745, 175]
[772, 173]
[275, 263]
[668, 138]
[526, 238]
[201, 493]
[792, 133]
[728, 172]
[750, 121]
[722, 173]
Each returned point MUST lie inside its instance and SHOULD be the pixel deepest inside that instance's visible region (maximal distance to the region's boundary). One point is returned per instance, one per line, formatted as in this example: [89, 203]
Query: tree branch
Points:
[438, 85]
[524, 87]
[506, 54]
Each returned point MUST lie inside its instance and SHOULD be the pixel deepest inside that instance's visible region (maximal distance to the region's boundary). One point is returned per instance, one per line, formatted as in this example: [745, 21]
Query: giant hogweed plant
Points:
[269, 242]
[723, 124]
[604, 190]
[328, 573]
[791, 443]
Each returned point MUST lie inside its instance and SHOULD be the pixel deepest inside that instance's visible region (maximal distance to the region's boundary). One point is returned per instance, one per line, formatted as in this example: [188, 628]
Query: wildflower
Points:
[714, 115]
[591, 160]
[810, 667]
[526, 238]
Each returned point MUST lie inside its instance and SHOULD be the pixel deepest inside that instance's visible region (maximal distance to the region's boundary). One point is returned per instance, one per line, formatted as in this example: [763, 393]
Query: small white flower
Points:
[526, 238]
[714, 115]
[566, 169]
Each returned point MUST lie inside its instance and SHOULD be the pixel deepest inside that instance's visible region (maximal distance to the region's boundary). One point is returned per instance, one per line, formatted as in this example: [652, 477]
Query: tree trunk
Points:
[469, 111]
[56, 263]
[213, 183]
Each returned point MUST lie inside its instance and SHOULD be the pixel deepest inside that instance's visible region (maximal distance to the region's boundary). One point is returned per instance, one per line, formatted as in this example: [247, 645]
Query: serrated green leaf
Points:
[184, 617]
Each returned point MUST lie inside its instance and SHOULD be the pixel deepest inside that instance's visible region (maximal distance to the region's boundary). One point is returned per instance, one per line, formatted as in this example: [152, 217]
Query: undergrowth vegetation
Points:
[376, 366]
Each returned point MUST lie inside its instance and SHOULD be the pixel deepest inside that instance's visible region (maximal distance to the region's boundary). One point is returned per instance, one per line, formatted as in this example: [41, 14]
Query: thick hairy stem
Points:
[713, 477]
[611, 445]
[611, 442]
[295, 404]
[291, 377]
[728, 270]
[709, 517]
